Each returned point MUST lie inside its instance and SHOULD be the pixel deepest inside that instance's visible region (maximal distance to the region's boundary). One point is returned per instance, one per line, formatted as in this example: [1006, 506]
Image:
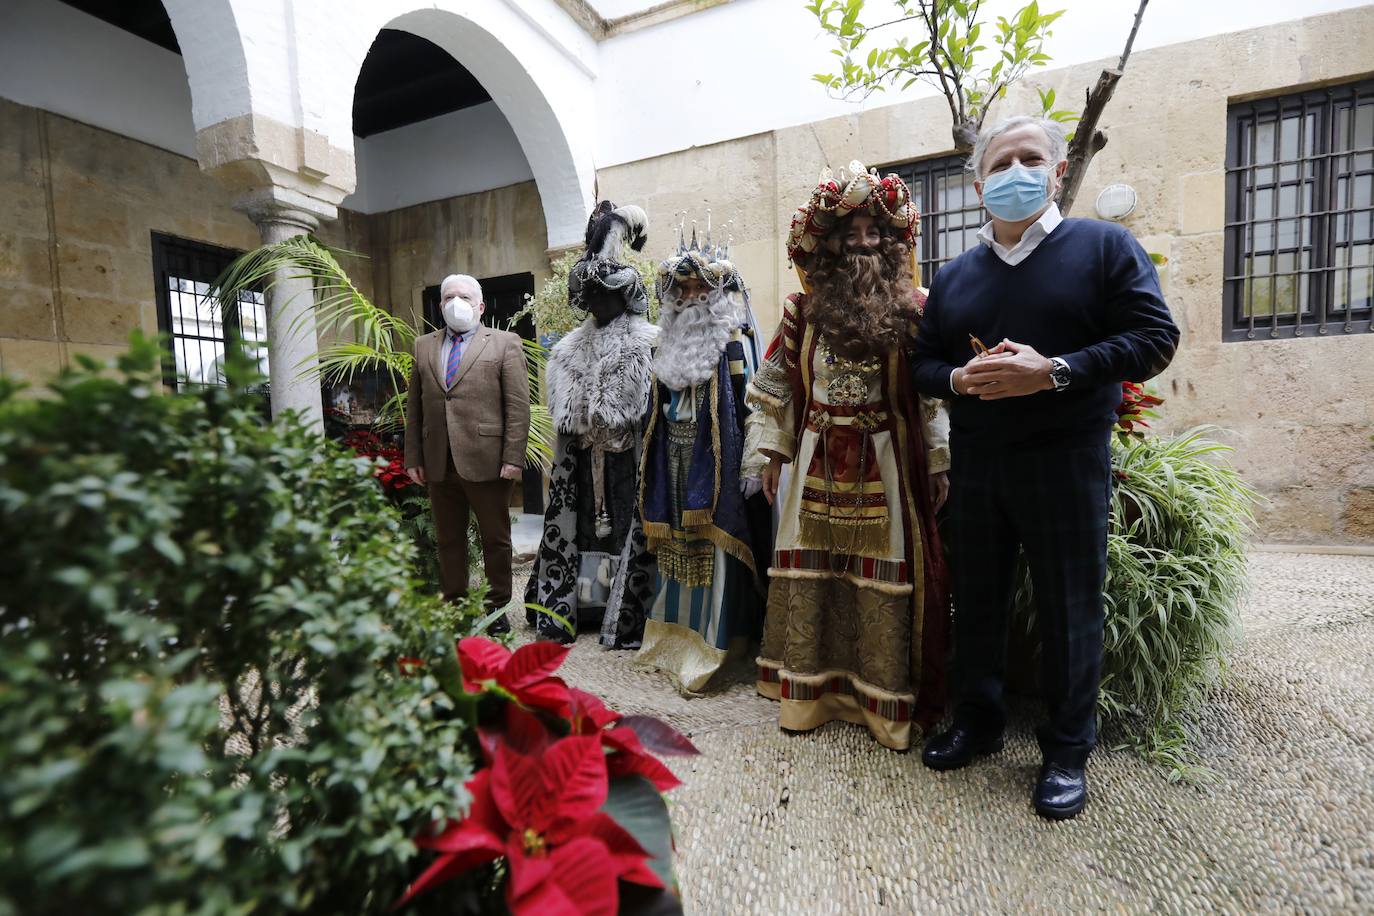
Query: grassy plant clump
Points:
[1176, 574]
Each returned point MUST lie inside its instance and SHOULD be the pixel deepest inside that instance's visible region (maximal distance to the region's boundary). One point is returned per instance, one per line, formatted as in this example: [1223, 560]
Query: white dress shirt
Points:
[446, 346]
[1035, 233]
[1030, 239]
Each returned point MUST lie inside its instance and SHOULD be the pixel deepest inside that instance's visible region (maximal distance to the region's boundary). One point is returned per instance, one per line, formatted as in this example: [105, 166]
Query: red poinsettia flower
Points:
[543, 814]
[629, 757]
[525, 674]
[588, 714]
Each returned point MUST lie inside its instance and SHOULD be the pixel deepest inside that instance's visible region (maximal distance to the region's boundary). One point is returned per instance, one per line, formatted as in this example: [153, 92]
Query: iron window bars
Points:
[197, 333]
[951, 215]
[1299, 239]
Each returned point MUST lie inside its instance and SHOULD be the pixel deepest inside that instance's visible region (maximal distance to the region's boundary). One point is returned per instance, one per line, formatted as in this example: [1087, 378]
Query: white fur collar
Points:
[601, 376]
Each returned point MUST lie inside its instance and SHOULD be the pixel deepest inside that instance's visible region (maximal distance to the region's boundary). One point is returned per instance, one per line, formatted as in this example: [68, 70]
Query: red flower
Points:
[629, 757]
[543, 814]
[588, 714]
[524, 674]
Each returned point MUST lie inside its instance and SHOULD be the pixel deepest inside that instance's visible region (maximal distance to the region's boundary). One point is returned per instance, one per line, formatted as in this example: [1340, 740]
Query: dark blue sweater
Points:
[1088, 293]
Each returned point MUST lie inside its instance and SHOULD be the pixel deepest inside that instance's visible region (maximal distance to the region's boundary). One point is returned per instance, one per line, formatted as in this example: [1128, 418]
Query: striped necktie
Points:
[455, 357]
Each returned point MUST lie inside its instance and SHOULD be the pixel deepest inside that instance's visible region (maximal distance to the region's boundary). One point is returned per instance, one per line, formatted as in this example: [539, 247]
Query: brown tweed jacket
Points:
[484, 419]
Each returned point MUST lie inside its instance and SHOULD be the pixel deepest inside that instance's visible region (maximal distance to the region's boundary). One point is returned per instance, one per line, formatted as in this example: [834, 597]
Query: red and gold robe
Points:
[858, 610]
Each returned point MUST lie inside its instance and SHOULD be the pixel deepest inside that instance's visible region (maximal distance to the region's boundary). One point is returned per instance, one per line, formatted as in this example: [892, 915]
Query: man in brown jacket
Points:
[467, 424]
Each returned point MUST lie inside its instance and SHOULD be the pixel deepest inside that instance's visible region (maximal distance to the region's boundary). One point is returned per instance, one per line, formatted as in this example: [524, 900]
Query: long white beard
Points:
[691, 340]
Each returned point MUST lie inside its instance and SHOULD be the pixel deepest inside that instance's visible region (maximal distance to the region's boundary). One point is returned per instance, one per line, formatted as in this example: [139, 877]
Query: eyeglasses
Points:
[979, 348]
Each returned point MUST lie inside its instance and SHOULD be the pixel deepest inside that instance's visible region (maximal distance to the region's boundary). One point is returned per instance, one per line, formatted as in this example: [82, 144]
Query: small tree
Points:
[946, 44]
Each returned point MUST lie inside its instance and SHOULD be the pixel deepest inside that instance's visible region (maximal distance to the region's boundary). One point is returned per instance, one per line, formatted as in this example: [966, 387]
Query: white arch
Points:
[548, 99]
[298, 64]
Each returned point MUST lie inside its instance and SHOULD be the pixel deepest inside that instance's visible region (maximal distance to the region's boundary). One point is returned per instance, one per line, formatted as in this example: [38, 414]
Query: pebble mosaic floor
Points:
[830, 822]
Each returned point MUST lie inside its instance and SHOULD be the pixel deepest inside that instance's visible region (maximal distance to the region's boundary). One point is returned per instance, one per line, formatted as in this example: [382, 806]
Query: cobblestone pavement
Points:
[830, 822]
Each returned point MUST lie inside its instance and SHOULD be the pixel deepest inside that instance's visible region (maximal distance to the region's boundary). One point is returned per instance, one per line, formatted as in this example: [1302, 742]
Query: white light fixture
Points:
[1117, 201]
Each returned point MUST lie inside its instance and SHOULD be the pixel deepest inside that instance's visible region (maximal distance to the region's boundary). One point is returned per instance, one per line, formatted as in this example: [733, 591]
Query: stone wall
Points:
[487, 234]
[78, 206]
[1299, 412]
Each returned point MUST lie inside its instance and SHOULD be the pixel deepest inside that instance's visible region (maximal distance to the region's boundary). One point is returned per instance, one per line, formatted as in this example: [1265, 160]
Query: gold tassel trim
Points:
[866, 537]
[693, 565]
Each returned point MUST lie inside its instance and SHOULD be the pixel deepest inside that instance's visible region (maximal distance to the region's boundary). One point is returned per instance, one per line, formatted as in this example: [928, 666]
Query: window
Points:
[1299, 176]
[505, 296]
[950, 212]
[196, 330]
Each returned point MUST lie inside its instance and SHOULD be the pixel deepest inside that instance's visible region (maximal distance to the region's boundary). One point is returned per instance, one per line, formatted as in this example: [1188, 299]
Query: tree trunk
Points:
[1087, 139]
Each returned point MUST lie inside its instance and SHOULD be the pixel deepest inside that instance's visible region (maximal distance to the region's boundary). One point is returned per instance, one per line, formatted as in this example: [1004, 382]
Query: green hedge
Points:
[163, 557]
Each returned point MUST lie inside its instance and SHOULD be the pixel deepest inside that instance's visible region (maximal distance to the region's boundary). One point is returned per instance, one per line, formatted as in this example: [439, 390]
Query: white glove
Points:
[750, 485]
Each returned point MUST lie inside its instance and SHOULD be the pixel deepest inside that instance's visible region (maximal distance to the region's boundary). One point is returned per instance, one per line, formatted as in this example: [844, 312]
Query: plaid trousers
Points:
[1053, 503]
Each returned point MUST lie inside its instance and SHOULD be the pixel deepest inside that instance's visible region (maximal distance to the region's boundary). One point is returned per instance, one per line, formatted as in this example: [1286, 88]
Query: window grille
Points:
[1299, 177]
[197, 332]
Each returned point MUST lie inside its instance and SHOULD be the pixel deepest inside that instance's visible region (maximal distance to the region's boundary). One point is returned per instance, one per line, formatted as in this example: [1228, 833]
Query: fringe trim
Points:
[696, 518]
[862, 536]
[660, 534]
[691, 564]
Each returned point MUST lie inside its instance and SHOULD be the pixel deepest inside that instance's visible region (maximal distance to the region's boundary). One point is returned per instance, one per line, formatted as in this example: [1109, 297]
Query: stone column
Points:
[292, 343]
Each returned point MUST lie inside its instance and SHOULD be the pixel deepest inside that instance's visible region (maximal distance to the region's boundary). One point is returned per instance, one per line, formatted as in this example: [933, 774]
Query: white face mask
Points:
[459, 315]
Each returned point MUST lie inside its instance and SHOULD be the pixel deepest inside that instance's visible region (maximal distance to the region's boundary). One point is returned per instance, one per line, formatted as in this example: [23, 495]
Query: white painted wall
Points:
[462, 152]
[61, 60]
[570, 105]
[745, 67]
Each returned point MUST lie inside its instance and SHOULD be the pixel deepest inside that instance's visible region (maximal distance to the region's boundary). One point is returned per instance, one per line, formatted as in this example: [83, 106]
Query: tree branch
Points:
[1130, 39]
[1087, 139]
[882, 25]
[932, 25]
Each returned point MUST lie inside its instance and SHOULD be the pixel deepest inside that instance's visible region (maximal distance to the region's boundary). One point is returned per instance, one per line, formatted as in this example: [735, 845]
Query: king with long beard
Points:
[857, 603]
[700, 481]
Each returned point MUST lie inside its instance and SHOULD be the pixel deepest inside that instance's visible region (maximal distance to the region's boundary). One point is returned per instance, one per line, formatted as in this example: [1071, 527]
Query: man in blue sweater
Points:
[1075, 308]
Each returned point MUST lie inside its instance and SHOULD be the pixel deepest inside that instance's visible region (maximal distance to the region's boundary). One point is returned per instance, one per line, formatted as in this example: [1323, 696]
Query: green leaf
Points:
[164, 545]
[638, 807]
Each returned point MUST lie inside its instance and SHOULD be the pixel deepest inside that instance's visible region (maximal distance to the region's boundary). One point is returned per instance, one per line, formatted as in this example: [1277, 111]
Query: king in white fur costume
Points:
[592, 567]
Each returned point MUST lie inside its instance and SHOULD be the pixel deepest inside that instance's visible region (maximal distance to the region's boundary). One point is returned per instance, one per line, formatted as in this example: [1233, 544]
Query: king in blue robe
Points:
[703, 515]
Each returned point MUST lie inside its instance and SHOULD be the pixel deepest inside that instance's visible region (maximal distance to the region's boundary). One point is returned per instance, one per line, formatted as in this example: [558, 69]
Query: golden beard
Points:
[862, 302]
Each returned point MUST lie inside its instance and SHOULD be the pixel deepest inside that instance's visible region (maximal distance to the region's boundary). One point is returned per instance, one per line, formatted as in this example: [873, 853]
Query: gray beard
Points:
[691, 341]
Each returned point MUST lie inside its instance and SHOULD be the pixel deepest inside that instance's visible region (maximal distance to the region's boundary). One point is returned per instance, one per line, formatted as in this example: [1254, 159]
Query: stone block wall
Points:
[1300, 413]
[79, 205]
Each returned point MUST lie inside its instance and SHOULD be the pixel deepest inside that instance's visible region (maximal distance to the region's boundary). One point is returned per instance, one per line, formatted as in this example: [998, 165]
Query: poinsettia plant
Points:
[392, 474]
[570, 796]
[1137, 403]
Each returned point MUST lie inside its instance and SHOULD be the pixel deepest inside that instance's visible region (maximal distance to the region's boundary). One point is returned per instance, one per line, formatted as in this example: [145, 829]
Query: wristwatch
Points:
[1059, 373]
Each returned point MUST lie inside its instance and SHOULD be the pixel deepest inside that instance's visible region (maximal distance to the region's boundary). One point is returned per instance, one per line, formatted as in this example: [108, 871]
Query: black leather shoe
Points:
[1061, 792]
[957, 746]
[500, 626]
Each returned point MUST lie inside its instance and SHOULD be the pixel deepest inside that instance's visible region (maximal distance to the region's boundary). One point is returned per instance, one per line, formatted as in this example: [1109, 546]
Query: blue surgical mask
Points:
[1015, 194]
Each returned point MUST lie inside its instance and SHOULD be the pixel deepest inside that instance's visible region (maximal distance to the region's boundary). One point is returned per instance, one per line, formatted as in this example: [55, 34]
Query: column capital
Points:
[283, 212]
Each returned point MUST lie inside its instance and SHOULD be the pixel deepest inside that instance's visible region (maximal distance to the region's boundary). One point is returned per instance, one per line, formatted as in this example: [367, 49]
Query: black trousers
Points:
[1054, 505]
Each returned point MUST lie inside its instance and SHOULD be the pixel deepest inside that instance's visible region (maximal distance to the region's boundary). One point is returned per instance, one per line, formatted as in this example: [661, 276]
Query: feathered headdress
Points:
[600, 271]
